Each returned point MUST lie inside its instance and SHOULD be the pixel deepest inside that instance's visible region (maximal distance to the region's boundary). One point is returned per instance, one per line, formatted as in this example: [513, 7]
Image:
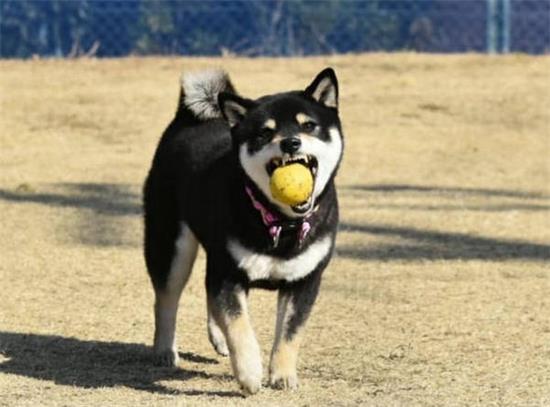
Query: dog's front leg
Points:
[294, 304]
[227, 302]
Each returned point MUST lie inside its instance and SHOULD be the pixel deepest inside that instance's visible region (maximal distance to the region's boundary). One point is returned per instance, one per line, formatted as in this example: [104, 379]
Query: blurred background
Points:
[107, 28]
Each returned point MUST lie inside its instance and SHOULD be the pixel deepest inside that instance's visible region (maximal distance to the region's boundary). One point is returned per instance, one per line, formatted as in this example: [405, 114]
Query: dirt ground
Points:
[440, 291]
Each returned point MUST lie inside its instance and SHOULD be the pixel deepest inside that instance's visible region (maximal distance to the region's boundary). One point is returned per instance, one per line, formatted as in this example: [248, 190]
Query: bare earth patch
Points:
[440, 291]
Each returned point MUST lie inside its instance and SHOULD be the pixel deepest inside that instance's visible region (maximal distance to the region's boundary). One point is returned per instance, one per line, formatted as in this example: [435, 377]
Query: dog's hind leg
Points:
[216, 335]
[167, 296]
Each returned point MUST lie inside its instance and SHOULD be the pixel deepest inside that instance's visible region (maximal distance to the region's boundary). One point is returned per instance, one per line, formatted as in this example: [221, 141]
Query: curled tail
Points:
[200, 90]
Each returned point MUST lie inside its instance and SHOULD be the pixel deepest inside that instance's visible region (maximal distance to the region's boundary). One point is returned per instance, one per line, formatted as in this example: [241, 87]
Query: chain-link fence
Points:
[275, 27]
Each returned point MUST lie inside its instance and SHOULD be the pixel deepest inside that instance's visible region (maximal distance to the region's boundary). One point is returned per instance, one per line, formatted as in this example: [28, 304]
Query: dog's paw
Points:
[217, 339]
[250, 384]
[248, 373]
[287, 381]
[167, 358]
[220, 347]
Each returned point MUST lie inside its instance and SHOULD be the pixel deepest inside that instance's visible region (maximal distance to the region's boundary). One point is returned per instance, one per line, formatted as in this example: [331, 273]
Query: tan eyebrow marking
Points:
[302, 118]
[270, 124]
[277, 138]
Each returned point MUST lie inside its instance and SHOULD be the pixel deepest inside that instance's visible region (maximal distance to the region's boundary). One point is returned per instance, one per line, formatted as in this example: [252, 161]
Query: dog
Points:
[209, 184]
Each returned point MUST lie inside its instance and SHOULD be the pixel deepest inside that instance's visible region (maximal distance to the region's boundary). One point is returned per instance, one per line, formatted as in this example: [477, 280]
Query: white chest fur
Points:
[261, 266]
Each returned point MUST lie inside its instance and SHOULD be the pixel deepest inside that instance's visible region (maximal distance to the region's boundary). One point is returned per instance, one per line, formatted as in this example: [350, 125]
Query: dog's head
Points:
[299, 126]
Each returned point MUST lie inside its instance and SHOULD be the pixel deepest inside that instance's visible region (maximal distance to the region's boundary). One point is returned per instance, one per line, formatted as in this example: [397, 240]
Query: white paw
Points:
[167, 357]
[248, 371]
[217, 339]
[251, 382]
[288, 381]
[220, 347]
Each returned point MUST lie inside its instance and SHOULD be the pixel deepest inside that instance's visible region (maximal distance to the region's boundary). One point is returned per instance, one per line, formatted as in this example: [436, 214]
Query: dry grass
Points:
[440, 291]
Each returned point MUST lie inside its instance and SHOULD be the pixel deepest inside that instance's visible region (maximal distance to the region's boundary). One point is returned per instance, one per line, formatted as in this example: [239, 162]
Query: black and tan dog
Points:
[209, 185]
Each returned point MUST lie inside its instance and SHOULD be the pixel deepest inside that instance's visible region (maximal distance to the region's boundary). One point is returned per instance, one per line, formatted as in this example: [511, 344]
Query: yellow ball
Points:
[291, 184]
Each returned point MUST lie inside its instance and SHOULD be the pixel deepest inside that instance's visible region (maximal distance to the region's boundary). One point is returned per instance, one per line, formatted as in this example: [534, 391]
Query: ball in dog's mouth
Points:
[292, 179]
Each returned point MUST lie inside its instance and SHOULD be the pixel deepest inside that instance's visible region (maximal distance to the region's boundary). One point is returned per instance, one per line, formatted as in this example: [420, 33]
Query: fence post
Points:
[505, 26]
[492, 26]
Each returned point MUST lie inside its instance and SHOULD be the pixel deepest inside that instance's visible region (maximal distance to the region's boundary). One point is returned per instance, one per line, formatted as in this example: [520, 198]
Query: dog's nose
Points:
[291, 145]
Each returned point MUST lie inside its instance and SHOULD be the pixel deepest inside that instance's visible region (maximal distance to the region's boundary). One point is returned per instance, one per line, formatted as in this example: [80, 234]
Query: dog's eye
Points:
[308, 127]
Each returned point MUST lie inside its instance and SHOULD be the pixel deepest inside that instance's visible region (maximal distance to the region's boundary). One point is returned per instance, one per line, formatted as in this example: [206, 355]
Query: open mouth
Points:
[308, 161]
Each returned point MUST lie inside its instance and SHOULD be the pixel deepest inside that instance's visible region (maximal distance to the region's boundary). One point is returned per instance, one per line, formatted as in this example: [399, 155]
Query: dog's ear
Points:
[233, 107]
[324, 88]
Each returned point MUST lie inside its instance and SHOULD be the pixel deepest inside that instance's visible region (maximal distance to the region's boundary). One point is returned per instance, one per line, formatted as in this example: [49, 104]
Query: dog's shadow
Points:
[95, 364]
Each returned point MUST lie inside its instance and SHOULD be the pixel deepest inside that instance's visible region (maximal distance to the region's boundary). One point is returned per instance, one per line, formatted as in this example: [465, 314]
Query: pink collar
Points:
[274, 223]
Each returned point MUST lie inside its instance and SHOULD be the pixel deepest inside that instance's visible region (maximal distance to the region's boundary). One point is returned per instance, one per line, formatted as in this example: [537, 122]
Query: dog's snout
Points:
[291, 145]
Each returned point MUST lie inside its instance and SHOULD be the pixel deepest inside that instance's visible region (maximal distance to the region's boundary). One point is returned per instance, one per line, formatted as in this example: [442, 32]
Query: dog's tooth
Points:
[314, 170]
[286, 158]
